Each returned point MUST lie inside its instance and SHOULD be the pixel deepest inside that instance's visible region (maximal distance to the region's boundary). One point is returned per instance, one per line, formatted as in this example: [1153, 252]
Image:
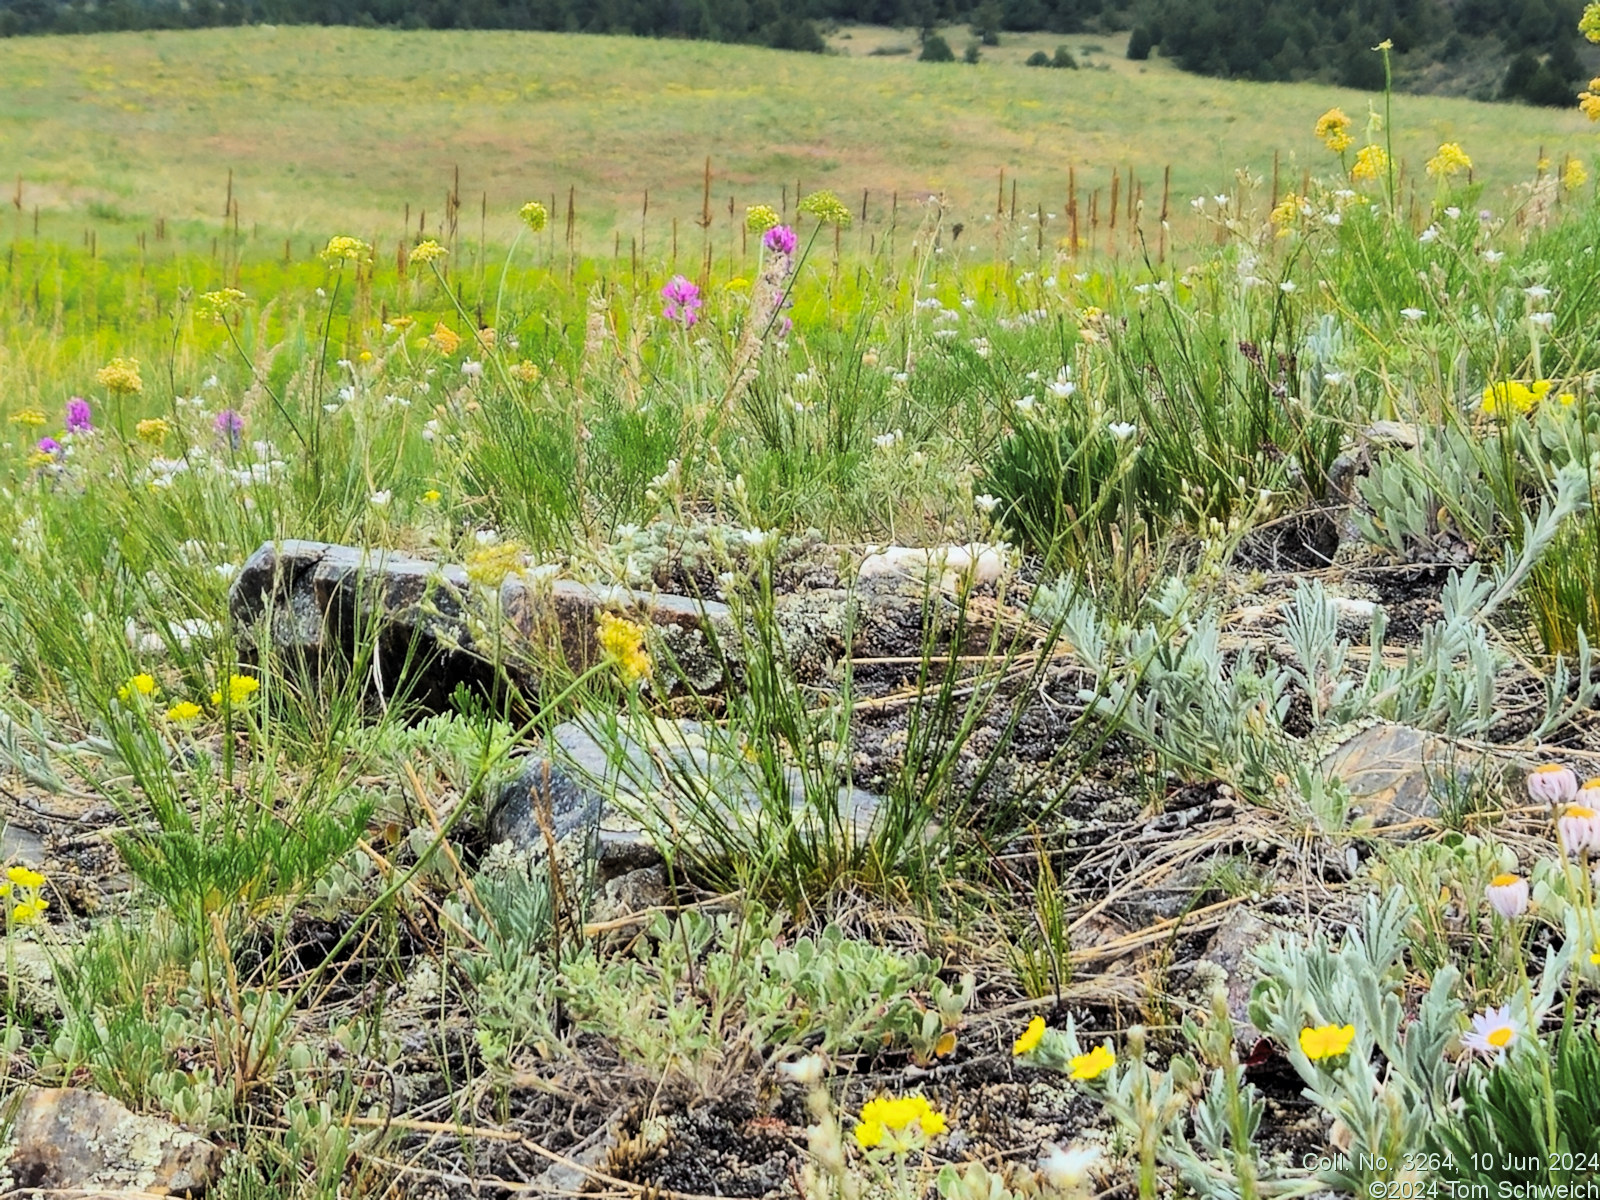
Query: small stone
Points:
[1393, 773]
[78, 1140]
[1226, 960]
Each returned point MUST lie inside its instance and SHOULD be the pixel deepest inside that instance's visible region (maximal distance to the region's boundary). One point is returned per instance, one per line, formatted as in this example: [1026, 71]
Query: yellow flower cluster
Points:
[826, 208]
[153, 430]
[22, 885]
[1512, 396]
[1333, 130]
[1589, 101]
[1573, 175]
[240, 689]
[215, 306]
[534, 215]
[527, 371]
[759, 218]
[489, 565]
[1449, 161]
[31, 417]
[121, 376]
[622, 642]
[346, 249]
[428, 251]
[1284, 216]
[1372, 162]
[898, 1125]
[139, 685]
[184, 711]
[1326, 1041]
[1589, 23]
[444, 339]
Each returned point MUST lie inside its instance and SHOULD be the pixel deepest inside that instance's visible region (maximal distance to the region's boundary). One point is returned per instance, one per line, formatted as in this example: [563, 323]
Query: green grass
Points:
[342, 129]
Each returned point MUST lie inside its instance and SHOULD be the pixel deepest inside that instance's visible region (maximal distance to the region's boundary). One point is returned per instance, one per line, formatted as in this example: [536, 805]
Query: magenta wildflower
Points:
[79, 418]
[229, 424]
[781, 239]
[49, 446]
[682, 299]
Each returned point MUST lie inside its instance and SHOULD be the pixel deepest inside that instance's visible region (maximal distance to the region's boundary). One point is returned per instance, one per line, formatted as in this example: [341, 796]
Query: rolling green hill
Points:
[325, 129]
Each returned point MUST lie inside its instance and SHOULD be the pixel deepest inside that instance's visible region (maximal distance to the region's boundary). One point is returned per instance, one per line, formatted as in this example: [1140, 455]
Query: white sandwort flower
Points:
[1121, 430]
[1413, 314]
[986, 503]
[1543, 320]
[1067, 1168]
[807, 1071]
[381, 499]
[1537, 292]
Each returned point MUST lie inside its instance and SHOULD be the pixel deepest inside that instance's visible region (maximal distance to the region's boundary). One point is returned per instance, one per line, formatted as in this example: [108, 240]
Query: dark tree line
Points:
[1332, 40]
[784, 24]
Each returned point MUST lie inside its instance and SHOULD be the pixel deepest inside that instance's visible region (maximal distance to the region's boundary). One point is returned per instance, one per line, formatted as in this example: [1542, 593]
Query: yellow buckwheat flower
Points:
[1371, 163]
[622, 642]
[1326, 1041]
[827, 208]
[1030, 1037]
[139, 685]
[24, 877]
[240, 689]
[184, 711]
[1449, 161]
[30, 417]
[534, 215]
[121, 376]
[427, 252]
[489, 565]
[1333, 130]
[1589, 24]
[29, 912]
[215, 306]
[1589, 101]
[759, 218]
[1093, 1064]
[902, 1125]
[444, 339]
[1573, 175]
[153, 430]
[346, 249]
[1286, 214]
[527, 371]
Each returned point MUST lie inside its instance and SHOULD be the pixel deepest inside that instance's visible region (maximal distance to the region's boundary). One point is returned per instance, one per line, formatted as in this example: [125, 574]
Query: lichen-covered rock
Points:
[78, 1140]
[1395, 774]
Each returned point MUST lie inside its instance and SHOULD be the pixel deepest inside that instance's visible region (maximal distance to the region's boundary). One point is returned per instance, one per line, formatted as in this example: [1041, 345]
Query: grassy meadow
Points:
[1115, 568]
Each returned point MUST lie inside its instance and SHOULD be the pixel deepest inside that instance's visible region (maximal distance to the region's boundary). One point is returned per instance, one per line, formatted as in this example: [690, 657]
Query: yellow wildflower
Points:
[527, 371]
[139, 685]
[153, 430]
[1333, 130]
[1512, 396]
[431, 496]
[534, 215]
[444, 339]
[29, 911]
[1030, 1037]
[38, 458]
[31, 417]
[489, 565]
[1093, 1064]
[1589, 101]
[1589, 23]
[121, 375]
[1285, 214]
[215, 306]
[1371, 163]
[622, 642]
[1573, 175]
[1326, 1041]
[1450, 160]
[868, 1134]
[759, 218]
[184, 711]
[24, 877]
[1567, 399]
[826, 208]
[906, 1123]
[428, 251]
[240, 689]
[345, 249]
